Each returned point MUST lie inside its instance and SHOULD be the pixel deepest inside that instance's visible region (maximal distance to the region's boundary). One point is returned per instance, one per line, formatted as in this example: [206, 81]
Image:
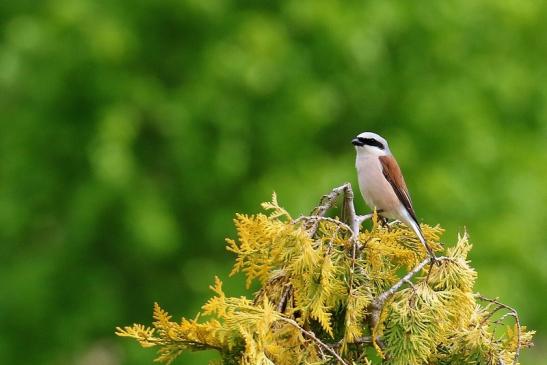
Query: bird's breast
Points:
[376, 190]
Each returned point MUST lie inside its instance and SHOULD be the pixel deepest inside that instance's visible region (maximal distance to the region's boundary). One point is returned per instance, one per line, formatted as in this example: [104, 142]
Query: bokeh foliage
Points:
[132, 131]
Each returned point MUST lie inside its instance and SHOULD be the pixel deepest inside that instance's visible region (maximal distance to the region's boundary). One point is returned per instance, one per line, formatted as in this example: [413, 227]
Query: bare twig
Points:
[323, 355]
[485, 319]
[283, 301]
[314, 338]
[362, 218]
[502, 318]
[514, 314]
[364, 340]
[353, 221]
[320, 218]
[327, 202]
[411, 284]
[349, 209]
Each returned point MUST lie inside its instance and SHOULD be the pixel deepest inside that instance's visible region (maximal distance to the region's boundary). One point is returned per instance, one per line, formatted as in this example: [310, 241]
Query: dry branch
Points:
[512, 312]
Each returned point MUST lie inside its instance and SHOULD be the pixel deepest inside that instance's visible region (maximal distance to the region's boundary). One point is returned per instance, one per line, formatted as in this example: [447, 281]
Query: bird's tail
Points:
[416, 228]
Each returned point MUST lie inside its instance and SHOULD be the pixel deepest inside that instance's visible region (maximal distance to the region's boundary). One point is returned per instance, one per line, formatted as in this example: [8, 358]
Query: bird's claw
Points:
[433, 260]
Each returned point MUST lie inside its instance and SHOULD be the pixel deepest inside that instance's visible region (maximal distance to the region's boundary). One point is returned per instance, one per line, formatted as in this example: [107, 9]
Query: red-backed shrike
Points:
[382, 184]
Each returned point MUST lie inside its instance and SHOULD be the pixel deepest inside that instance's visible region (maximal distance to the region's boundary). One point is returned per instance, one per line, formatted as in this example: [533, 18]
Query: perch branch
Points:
[328, 201]
[349, 208]
[155, 341]
[362, 218]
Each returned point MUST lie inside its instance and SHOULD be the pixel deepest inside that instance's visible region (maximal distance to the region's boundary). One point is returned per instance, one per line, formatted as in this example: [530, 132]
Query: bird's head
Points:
[368, 143]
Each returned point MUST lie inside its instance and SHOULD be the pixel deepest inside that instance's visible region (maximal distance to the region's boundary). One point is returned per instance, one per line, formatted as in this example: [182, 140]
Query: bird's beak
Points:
[356, 142]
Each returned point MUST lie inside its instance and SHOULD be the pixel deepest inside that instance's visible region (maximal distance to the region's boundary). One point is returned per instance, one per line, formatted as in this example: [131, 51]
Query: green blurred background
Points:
[131, 133]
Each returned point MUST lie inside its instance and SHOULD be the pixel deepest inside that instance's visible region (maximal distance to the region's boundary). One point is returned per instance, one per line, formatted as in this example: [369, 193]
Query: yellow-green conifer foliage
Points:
[332, 294]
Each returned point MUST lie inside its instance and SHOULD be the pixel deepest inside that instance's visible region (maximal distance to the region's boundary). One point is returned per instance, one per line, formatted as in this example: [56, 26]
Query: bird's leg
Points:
[383, 221]
[429, 272]
[433, 259]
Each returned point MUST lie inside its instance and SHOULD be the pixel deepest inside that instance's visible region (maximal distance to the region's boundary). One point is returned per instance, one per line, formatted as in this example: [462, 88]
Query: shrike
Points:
[382, 184]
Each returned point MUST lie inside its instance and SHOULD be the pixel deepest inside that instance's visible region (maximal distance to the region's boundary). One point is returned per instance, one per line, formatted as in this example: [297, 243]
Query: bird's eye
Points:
[372, 142]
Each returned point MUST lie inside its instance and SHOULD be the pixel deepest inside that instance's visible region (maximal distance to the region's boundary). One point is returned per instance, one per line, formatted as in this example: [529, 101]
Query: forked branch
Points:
[511, 312]
[353, 221]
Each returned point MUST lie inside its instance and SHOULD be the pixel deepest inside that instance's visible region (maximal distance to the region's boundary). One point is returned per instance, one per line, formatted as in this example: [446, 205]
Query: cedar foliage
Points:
[331, 294]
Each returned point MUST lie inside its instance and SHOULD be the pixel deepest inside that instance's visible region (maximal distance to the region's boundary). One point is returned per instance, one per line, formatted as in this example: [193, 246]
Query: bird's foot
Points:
[433, 260]
[383, 221]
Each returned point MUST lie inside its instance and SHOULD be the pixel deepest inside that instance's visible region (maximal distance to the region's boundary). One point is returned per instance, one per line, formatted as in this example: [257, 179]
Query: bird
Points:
[382, 184]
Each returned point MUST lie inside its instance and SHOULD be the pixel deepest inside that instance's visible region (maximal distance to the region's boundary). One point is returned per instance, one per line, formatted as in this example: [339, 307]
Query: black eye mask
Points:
[371, 142]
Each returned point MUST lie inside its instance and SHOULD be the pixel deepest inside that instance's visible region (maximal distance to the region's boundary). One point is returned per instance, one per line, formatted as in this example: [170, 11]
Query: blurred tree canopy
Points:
[132, 132]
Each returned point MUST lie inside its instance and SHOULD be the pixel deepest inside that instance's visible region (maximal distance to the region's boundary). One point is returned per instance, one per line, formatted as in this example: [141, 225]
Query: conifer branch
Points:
[377, 305]
[314, 338]
[322, 273]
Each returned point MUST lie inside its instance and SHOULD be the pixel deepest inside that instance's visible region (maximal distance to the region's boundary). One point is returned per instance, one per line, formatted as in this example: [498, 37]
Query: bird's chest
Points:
[376, 190]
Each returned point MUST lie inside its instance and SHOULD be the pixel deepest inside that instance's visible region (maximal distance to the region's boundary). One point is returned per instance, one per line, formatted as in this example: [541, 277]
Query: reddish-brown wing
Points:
[393, 174]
